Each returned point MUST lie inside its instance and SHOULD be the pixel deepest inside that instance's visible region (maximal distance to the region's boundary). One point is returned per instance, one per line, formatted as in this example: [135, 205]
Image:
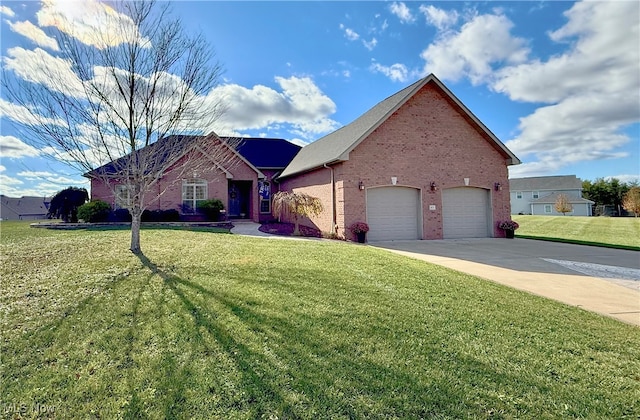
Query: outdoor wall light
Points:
[497, 186]
[361, 185]
[433, 186]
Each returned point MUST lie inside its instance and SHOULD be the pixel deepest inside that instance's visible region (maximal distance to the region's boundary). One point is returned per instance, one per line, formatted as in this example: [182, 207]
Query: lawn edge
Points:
[579, 242]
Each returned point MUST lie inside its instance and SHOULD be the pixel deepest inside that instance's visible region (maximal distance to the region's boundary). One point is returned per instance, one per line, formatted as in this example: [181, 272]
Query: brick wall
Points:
[167, 192]
[427, 140]
[317, 184]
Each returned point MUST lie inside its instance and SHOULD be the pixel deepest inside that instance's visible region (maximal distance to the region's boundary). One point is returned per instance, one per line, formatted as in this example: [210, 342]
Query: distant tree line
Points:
[608, 193]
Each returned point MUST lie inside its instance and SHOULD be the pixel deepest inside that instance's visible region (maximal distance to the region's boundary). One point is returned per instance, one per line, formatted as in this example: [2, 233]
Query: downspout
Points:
[333, 201]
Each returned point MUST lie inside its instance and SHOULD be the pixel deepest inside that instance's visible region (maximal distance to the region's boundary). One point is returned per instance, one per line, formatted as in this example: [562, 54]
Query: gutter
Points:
[333, 200]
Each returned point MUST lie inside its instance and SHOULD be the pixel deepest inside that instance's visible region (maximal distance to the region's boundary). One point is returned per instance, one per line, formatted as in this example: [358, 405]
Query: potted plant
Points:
[359, 229]
[509, 227]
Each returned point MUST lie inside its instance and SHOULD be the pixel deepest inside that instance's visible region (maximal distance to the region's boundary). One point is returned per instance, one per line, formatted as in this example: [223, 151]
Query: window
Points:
[193, 191]
[519, 194]
[547, 208]
[535, 194]
[264, 190]
[123, 196]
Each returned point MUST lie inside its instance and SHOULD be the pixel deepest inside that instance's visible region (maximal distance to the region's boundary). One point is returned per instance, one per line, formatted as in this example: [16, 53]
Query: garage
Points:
[465, 213]
[393, 213]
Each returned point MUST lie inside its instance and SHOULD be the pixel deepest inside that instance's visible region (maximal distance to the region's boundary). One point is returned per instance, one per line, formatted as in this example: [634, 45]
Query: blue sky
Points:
[557, 82]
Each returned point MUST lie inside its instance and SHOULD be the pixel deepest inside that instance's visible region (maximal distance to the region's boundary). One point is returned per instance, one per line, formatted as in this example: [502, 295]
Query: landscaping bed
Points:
[127, 225]
[286, 229]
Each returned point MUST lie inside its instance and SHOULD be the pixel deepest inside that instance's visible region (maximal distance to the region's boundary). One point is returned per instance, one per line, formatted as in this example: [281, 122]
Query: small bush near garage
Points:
[94, 211]
[170, 215]
[211, 209]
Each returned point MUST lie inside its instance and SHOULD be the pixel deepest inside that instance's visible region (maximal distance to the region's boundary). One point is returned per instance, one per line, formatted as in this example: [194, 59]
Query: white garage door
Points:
[393, 213]
[465, 213]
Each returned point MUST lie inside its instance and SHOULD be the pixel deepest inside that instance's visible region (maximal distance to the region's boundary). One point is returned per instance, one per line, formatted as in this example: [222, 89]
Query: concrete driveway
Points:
[602, 280]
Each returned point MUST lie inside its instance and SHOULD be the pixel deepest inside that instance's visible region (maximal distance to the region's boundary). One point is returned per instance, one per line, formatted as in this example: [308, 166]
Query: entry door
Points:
[239, 199]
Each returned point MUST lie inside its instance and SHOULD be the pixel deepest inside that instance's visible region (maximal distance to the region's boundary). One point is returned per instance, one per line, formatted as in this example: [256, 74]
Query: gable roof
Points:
[553, 197]
[336, 146]
[266, 153]
[543, 183]
[12, 208]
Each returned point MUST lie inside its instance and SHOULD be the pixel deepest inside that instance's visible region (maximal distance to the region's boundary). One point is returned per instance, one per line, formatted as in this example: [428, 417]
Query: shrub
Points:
[335, 236]
[170, 215]
[94, 211]
[64, 205]
[211, 209]
[120, 215]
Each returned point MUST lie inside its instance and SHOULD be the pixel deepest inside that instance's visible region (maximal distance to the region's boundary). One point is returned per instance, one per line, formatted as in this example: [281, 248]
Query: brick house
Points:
[243, 180]
[418, 165]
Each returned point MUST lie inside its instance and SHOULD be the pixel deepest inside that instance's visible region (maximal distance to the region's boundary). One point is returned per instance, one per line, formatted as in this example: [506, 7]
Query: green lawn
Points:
[208, 325]
[621, 232]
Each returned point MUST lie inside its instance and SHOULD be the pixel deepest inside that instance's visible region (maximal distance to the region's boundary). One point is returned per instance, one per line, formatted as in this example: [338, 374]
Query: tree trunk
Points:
[136, 216]
[296, 228]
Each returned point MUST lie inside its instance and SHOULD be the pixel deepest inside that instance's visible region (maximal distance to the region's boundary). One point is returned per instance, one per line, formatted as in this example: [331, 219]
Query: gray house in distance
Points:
[538, 195]
[23, 208]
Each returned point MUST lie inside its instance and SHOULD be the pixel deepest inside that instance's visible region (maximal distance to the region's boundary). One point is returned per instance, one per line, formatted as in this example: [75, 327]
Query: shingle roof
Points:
[267, 153]
[336, 146]
[553, 197]
[12, 208]
[543, 183]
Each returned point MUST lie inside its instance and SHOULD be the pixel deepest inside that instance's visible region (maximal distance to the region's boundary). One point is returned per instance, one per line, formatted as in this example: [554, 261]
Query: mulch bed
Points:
[286, 229]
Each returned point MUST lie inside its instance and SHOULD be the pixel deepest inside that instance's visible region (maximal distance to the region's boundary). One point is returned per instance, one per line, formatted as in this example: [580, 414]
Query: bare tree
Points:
[297, 204]
[562, 204]
[631, 201]
[121, 96]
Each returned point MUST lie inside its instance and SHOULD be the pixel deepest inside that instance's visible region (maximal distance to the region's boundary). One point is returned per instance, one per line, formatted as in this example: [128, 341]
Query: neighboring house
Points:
[538, 195]
[418, 165]
[23, 208]
[243, 181]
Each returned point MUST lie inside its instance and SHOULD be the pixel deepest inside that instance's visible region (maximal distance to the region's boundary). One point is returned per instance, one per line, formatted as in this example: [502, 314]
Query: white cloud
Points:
[40, 67]
[606, 50]
[6, 181]
[593, 89]
[91, 22]
[299, 103]
[49, 177]
[299, 142]
[402, 12]
[370, 45]
[349, 33]
[12, 147]
[397, 72]
[439, 18]
[626, 178]
[37, 35]
[481, 43]
[4, 10]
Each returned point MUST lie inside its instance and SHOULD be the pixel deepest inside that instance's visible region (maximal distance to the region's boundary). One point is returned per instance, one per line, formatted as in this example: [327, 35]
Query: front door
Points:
[239, 199]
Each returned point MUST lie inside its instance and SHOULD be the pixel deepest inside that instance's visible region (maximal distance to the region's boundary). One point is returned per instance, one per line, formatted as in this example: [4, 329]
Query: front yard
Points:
[622, 232]
[206, 325]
